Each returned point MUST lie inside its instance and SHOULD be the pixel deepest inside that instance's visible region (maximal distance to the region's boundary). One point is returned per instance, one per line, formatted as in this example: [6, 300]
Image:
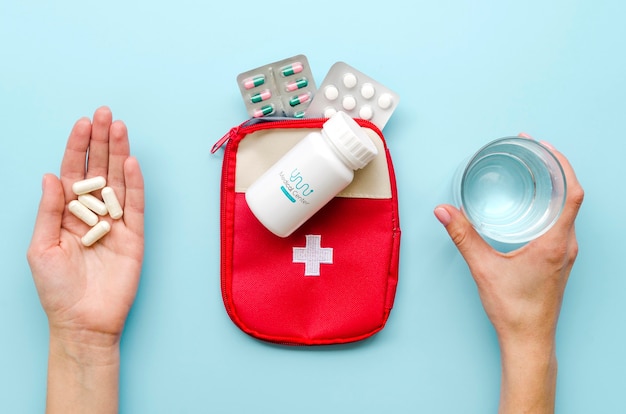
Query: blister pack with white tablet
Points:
[283, 88]
[346, 89]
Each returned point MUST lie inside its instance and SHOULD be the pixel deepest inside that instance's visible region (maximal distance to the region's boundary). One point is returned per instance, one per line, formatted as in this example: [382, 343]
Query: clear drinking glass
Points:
[512, 190]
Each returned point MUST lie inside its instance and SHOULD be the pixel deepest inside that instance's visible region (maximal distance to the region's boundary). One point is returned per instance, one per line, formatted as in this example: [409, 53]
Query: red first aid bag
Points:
[334, 279]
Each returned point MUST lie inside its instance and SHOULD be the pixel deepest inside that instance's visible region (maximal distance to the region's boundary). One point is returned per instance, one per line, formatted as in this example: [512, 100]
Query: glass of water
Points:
[512, 190]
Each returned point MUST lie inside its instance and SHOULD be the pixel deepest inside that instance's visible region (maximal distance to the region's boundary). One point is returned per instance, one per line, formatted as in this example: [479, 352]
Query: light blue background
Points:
[466, 71]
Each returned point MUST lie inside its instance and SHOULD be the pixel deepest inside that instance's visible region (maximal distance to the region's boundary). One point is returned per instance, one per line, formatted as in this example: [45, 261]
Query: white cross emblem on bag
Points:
[313, 255]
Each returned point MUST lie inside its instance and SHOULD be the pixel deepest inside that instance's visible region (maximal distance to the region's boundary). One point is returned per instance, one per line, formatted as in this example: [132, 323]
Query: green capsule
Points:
[261, 96]
[297, 100]
[254, 81]
[265, 110]
[292, 69]
[297, 84]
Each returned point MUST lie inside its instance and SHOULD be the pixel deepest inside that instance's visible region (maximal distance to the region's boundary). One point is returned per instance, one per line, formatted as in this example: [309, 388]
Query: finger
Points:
[470, 244]
[98, 161]
[119, 150]
[134, 198]
[572, 248]
[75, 156]
[575, 194]
[47, 232]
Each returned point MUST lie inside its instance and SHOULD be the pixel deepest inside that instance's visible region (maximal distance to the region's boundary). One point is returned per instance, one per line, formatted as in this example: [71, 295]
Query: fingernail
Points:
[443, 216]
[525, 135]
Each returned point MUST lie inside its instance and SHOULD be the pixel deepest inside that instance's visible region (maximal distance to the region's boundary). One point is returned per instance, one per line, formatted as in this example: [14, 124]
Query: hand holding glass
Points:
[512, 190]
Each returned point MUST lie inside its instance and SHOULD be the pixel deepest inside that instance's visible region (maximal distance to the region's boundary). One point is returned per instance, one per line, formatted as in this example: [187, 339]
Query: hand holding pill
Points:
[87, 284]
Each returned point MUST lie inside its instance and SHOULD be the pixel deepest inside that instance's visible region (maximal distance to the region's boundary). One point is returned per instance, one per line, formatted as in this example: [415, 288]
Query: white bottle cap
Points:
[350, 140]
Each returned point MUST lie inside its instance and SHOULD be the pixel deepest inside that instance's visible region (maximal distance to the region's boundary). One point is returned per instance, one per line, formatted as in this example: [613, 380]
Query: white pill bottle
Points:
[307, 177]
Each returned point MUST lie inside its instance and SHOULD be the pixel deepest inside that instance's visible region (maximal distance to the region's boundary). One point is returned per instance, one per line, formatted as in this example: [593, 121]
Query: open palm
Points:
[88, 291]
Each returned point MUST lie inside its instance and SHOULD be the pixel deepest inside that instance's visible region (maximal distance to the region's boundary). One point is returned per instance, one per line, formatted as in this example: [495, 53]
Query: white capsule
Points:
[96, 233]
[111, 202]
[93, 203]
[82, 212]
[88, 185]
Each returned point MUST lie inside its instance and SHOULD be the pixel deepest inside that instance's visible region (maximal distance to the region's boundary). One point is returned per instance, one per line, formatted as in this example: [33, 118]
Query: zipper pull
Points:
[233, 131]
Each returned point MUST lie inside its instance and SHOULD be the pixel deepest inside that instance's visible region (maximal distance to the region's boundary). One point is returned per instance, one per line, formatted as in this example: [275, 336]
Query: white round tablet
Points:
[348, 103]
[366, 112]
[367, 90]
[385, 101]
[329, 111]
[349, 80]
[331, 92]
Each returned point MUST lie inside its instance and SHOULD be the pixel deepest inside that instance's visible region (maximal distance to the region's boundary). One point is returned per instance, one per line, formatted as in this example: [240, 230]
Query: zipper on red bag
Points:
[255, 124]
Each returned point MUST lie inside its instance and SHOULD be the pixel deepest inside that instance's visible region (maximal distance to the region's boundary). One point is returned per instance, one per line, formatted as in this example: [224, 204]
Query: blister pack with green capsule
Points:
[282, 88]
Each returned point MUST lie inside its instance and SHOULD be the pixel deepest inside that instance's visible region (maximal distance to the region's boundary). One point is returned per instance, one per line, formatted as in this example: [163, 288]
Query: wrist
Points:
[529, 372]
[528, 353]
[86, 348]
[83, 374]
[536, 341]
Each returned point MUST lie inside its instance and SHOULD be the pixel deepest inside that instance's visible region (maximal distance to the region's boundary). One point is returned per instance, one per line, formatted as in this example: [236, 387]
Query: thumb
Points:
[469, 243]
[48, 223]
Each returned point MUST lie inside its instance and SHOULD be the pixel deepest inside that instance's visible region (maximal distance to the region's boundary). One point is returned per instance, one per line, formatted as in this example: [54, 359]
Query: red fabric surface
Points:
[271, 294]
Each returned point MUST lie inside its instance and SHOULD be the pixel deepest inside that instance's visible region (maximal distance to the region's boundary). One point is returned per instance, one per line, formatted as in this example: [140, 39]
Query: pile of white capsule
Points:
[88, 207]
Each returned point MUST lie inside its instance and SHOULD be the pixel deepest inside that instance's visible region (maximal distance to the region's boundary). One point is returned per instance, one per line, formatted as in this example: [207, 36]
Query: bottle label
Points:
[294, 187]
